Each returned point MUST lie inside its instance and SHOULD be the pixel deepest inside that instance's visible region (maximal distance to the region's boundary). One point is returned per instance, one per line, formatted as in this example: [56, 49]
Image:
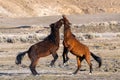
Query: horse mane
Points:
[67, 27]
[52, 37]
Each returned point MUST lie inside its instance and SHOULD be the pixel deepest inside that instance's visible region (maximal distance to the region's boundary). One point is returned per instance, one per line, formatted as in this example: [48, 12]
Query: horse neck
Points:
[56, 35]
[67, 32]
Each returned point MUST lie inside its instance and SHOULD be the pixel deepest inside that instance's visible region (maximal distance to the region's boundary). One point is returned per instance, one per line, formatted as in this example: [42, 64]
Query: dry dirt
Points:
[106, 46]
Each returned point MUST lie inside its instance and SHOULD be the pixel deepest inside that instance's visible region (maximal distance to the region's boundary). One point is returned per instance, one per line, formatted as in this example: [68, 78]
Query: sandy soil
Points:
[107, 48]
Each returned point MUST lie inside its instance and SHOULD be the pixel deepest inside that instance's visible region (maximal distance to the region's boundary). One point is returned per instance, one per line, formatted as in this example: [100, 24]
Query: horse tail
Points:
[98, 59]
[19, 57]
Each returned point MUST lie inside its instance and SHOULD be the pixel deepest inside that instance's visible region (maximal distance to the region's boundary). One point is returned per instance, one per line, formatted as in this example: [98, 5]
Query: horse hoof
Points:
[51, 66]
[73, 74]
[65, 64]
[35, 74]
[90, 73]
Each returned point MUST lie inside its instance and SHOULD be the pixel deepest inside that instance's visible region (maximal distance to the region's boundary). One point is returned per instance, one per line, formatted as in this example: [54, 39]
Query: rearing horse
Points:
[44, 48]
[78, 49]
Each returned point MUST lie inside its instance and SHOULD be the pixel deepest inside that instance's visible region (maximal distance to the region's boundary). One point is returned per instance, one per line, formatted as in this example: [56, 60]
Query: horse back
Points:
[43, 47]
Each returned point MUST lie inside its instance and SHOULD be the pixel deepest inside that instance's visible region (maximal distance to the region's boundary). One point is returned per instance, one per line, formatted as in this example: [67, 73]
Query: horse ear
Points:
[52, 25]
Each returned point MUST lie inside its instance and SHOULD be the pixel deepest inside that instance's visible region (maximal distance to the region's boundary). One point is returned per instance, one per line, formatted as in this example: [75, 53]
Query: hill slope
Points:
[35, 8]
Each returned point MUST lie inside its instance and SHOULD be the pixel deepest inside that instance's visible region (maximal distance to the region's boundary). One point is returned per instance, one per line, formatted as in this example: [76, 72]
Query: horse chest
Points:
[67, 44]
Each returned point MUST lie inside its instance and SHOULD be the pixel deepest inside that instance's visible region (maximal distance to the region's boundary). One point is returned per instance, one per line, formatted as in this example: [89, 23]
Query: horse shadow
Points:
[18, 27]
[11, 74]
[39, 74]
[23, 27]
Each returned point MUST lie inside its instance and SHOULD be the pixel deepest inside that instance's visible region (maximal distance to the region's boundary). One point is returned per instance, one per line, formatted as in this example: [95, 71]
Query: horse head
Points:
[57, 25]
[65, 20]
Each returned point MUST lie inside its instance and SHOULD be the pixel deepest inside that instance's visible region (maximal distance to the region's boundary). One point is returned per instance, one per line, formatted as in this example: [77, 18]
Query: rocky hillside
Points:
[35, 8]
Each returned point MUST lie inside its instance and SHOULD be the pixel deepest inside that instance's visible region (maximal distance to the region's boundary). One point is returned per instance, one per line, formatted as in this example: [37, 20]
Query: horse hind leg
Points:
[87, 58]
[55, 56]
[33, 66]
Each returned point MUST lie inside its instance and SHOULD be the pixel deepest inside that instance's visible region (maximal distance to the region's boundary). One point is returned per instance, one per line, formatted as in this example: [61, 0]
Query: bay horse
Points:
[44, 48]
[78, 49]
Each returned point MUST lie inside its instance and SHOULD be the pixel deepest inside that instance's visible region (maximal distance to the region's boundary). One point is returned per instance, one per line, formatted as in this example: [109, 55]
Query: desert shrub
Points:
[88, 36]
[37, 37]
[113, 23]
[99, 27]
[23, 39]
[1, 39]
[10, 40]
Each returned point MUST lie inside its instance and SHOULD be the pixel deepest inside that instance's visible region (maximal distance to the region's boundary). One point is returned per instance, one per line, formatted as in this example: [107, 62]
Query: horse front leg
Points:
[65, 55]
[78, 65]
[55, 56]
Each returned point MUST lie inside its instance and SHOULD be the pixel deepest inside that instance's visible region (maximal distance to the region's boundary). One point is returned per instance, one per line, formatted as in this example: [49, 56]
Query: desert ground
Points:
[101, 33]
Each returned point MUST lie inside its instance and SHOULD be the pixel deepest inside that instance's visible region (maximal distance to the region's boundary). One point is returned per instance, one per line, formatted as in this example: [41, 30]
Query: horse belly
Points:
[78, 51]
[44, 54]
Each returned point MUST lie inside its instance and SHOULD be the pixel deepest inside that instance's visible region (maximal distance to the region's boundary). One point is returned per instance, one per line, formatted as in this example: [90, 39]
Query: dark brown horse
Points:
[44, 48]
[78, 49]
